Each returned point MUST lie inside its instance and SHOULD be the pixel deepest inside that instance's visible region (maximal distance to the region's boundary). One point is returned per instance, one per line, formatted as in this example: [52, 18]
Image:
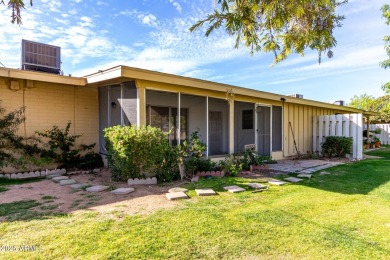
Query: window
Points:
[247, 119]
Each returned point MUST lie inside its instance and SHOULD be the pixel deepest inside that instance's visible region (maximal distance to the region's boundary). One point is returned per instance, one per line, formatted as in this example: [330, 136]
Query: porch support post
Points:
[178, 117]
[207, 125]
[270, 131]
[108, 106]
[121, 104]
[141, 105]
[368, 129]
[231, 125]
[255, 128]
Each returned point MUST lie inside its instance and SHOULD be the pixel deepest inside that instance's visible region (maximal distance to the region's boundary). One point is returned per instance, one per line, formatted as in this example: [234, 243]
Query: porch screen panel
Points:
[103, 117]
[218, 126]
[277, 130]
[129, 104]
[115, 105]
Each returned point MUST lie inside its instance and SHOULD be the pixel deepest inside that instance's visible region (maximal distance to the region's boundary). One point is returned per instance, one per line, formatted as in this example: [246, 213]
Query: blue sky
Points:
[153, 34]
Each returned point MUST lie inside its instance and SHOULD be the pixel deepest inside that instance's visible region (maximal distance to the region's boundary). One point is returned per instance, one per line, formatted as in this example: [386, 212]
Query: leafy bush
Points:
[336, 146]
[249, 157]
[191, 154]
[61, 148]
[133, 152]
[15, 150]
[232, 165]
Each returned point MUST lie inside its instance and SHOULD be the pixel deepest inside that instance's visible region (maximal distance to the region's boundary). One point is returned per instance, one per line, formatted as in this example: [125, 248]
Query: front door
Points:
[215, 132]
[263, 130]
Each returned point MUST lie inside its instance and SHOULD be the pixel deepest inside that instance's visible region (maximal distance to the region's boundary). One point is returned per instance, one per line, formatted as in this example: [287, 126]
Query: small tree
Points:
[9, 141]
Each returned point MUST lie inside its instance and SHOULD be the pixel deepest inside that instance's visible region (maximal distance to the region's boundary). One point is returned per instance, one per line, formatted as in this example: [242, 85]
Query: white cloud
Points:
[176, 5]
[141, 17]
[148, 19]
[52, 5]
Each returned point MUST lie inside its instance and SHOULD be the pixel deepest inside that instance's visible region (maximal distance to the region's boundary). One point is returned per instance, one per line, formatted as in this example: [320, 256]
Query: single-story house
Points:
[227, 117]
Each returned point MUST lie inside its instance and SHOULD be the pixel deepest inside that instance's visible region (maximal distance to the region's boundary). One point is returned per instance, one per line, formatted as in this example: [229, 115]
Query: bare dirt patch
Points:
[62, 199]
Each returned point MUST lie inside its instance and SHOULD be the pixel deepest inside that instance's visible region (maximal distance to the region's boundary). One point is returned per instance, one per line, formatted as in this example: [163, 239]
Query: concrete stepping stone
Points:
[205, 192]
[257, 185]
[234, 189]
[304, 175]
[79, 186]
[277, 182]
[177, 189]
[67, 182]
[97, 188]
[325, 173]
[122, 191]
[51, 176]
[176, 195]
[59, 178]
[293, 179]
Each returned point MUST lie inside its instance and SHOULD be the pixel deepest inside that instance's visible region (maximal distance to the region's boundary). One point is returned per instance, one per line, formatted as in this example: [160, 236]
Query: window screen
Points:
[277, 128]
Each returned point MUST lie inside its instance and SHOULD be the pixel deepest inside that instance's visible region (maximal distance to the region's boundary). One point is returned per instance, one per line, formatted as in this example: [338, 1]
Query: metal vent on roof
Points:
[41, 57]
[339, 102]
[296, 95]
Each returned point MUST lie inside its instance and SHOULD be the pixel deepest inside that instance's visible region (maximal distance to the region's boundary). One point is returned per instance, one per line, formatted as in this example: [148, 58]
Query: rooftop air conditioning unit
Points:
[296, 95]
[41, 57]
[339, 102]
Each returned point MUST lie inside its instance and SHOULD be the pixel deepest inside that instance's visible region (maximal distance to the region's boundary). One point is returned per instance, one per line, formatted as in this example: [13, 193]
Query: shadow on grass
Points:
[217, 183]
[5, 182]
[24, 210]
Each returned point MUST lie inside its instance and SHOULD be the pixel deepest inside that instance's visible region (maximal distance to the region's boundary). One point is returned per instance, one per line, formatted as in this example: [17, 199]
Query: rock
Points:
[257, 185]
[96, 170]
[304, 175]
[176, 195]
[62, 171]
[79, 186]
[325, 173]
[147, 181]
[51, 176]
[195, 179]
[122, 191]
[293, 179]
[205, 192]
[97, 188]
[177, 189]
[67, 182]
[234, 189]
[277, 182]
[59, 178]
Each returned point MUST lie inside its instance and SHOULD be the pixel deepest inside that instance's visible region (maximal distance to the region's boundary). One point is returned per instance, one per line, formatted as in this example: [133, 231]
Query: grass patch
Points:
[342, 215]
[48, 197]
[49, 207]
[5, 182]
[384, 152]
[16, 209]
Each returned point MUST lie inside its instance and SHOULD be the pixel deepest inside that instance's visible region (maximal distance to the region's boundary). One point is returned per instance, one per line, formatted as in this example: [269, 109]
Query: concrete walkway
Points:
[301, 166]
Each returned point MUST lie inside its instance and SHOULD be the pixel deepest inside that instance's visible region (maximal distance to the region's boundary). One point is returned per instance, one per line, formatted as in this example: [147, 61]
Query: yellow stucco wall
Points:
[49, 104]
[301, 118]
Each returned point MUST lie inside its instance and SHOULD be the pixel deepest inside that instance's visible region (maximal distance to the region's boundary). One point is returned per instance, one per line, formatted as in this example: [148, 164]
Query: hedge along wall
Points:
[49, 104]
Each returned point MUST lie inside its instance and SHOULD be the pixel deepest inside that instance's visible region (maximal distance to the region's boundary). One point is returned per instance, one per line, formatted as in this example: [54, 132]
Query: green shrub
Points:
[133, 152]
[61, 148]
[191, 155]
[336, 146]
[232, 165]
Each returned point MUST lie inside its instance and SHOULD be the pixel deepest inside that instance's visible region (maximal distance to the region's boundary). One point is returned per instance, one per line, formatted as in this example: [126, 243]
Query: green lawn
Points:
[339, 216]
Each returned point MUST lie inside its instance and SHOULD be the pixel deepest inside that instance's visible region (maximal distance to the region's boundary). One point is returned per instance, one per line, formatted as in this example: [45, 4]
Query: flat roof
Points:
[117, 73]
[42, 76]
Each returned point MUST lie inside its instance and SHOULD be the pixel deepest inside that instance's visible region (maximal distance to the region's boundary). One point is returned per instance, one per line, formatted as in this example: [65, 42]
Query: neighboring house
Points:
[228, 117]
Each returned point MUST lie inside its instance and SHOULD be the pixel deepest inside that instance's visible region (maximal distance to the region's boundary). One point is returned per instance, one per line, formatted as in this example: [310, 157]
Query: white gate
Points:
[348, 125]
[384, 136]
